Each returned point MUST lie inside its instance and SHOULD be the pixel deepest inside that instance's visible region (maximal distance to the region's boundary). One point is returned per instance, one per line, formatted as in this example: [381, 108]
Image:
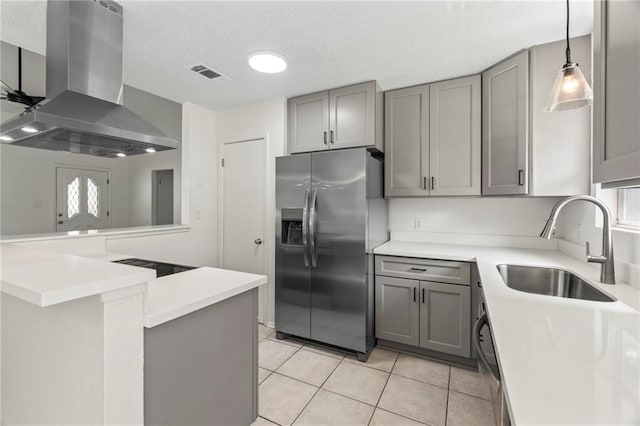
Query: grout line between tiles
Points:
[275, 423]
[403, 416]
[384, 387]
[316, 393]
[421, 381]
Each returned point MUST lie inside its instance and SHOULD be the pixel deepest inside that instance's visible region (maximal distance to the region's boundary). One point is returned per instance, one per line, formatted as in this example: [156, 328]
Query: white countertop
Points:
[46, 278]
[176, 295]
[563, 361]
[148, 229]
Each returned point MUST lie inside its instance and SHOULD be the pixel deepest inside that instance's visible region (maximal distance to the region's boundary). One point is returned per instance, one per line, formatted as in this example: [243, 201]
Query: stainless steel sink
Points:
[550, 282]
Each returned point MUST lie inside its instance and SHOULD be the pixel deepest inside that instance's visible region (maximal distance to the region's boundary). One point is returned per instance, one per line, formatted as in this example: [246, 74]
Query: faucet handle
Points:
[594, 259]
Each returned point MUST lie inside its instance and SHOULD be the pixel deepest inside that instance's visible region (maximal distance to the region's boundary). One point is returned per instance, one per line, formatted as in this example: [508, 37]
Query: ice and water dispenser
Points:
[292, 227]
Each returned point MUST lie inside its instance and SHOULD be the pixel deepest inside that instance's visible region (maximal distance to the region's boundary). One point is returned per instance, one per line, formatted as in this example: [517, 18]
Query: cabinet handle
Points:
[424, 182]
[414, 269]
[423, 295]
[414, 294]
[331, 136]
[520, 177]
[325, 138]
[433, 182]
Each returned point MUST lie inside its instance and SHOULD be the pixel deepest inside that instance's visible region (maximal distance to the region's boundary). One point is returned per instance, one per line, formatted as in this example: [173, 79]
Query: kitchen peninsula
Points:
[74, 339]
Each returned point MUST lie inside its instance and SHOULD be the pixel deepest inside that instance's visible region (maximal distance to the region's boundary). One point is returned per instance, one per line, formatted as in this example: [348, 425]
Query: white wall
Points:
[577, 224]
[27, 187]
[517, 216]
[140, 168]
[198, 246]
[264, 120]
[28, 175]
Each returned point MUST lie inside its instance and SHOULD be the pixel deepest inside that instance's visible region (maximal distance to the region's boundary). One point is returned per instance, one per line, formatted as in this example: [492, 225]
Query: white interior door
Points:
[243, 209]
[82, 199]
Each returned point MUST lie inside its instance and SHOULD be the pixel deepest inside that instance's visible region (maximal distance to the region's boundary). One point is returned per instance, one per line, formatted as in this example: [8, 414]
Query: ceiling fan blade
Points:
[6, 87]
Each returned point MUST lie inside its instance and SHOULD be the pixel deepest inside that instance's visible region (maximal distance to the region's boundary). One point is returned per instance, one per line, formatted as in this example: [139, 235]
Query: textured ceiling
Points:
[327, 44]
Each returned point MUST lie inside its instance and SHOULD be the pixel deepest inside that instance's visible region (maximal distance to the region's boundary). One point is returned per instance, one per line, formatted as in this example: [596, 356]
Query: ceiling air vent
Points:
[206, 71]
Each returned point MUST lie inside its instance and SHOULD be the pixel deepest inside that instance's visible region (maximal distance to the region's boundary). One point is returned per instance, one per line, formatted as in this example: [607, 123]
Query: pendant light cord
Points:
[568, 51]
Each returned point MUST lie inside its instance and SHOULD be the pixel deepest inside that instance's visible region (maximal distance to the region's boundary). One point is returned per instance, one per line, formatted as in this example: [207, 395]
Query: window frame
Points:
[620, 211]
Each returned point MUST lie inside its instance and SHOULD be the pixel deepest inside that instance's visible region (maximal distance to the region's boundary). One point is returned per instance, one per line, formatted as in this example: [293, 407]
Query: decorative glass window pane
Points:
[93, 198]
[629, 207]
[73, 198]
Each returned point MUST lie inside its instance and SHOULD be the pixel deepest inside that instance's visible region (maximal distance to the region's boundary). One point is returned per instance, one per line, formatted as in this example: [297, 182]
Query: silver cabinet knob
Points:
[258, 241]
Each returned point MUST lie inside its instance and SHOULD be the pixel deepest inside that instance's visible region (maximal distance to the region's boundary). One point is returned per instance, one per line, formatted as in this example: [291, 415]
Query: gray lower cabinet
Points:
[427, 314]
[445, 318]
[505, 127]
[397, 310]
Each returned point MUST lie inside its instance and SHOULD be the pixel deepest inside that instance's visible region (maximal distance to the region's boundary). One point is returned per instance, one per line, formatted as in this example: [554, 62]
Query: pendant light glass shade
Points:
[570, 90]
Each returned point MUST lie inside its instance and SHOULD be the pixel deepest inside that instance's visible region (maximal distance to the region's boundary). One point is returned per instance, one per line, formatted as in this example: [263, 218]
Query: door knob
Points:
[258, 241]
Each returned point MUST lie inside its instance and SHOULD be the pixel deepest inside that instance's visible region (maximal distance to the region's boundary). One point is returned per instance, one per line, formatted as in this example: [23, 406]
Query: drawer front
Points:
[444, 271]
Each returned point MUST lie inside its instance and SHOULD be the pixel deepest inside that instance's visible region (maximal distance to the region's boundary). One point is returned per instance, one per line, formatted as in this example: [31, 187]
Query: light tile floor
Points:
[304, 384]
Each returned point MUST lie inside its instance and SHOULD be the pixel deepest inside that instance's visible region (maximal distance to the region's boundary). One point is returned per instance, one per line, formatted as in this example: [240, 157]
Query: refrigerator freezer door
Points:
[293, 277]
[338, 279]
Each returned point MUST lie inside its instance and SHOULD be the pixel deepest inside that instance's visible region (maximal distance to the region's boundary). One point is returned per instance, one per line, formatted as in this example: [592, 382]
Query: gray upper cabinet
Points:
[352, 116]
[455, 137]
[397, 310]
[433, 139]
[505, 98]
[445, 318]
[616, 138]
[406, 127]
[347, 117]
[309, 123]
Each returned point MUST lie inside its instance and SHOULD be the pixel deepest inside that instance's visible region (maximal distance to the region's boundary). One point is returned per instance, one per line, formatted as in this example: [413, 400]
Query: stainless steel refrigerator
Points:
[330, 215]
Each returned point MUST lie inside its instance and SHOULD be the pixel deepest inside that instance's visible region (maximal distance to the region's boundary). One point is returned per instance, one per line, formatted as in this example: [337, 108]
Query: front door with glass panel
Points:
[82, 199]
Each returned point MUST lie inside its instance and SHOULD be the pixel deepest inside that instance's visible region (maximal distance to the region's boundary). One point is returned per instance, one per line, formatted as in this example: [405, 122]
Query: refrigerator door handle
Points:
[305, 227]
[313, 222]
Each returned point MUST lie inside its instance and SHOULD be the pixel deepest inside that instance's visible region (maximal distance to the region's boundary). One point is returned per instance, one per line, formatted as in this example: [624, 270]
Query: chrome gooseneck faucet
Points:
[607, 273]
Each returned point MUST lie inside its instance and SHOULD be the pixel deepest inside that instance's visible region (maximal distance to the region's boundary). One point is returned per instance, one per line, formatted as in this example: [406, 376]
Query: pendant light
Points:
[570, 89]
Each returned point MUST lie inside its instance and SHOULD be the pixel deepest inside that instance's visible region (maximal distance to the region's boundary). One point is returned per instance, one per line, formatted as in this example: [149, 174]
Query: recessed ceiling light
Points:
[268, 62]
[29, 129]
[121, 154]
[6, 138]
[150, 150]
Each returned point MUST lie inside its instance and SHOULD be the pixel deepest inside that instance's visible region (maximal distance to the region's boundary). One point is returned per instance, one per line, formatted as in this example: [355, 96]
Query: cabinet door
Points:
[309, 123]
[455, 136]
[445, 318]
[616, 97]
[397, 311]
[406, 141]
[505, 133]
[352, 115]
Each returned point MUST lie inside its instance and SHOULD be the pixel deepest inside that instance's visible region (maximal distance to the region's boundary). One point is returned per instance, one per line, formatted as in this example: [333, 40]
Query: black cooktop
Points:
[162, 269]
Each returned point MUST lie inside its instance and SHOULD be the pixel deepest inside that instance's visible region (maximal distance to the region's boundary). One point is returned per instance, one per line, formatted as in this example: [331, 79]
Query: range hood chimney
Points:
[83, 110]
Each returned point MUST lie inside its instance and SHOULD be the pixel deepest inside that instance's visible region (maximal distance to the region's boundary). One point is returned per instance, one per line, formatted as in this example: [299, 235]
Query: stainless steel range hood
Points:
[83, 110]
